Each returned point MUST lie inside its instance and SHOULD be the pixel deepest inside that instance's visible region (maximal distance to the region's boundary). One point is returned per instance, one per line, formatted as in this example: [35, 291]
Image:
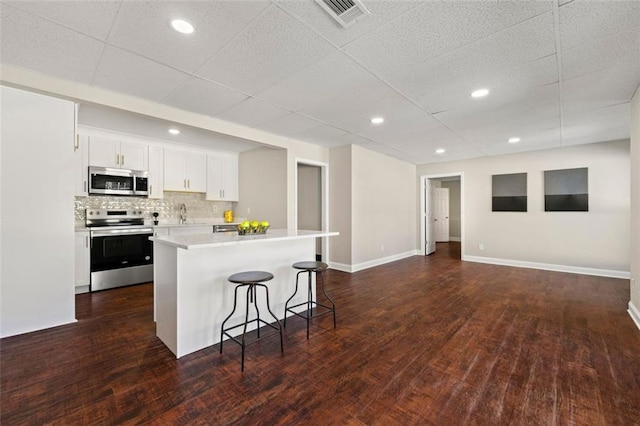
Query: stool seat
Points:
[250, 277]
[311, 266]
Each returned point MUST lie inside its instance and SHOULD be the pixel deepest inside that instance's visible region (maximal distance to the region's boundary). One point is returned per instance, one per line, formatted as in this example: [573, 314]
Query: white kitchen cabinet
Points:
[185, 171]
[82, 262]
[156, 172]
[81, 166]
[107, 152]
[222, 177]
[190, 230]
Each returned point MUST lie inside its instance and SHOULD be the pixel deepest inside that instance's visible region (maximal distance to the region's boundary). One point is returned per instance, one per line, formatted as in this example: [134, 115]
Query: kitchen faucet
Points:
[183, 214]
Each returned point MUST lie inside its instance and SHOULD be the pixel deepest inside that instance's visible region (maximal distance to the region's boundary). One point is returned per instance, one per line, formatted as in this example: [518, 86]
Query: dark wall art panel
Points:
[509, 193]
[566, 190]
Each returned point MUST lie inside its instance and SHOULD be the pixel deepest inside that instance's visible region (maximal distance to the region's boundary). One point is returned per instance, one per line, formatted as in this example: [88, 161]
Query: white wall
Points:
[634, 304]
[310, 200]
[590, 242]
[340, 204]
[37, 210]
[262, 177]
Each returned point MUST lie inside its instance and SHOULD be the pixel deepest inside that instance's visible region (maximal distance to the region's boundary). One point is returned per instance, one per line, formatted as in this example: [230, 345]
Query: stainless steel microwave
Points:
[109, 181]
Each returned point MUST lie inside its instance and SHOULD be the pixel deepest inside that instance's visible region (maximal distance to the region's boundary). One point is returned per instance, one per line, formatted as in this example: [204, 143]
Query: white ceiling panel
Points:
[582, 21]
[318, 19]
[128, 73]
[622, 48]
[289, 125]
[144, 27]
[39, 45]
[203, 97]
[272, 48]
[434, 28]
[321, 135]
[330, 77]
[93, 18]
[521, 56]
[251, 112]
[597, 125]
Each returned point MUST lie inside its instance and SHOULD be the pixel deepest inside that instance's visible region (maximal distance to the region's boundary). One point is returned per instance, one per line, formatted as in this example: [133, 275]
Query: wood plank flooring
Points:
[424, 341]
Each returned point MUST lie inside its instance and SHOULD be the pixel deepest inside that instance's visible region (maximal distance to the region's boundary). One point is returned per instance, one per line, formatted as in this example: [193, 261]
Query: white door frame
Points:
[423, 183]
[324, 177]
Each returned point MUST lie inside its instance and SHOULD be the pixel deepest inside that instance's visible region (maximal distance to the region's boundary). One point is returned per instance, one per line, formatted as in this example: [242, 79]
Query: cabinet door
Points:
[229, 173]
[104, 152]
[156, 172]
[134, 156]
[81, 164]
[196, 172]
[82, 265]
[214, 177]
[174, 170]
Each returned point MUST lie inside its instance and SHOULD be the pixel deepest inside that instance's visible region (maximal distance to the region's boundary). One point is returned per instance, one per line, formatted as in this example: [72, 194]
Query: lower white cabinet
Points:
[82, 264]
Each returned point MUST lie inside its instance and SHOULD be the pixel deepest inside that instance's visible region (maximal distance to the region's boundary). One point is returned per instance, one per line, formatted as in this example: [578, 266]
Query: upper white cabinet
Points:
[81, 166]
[222, 177]
[106, 152]
[185, 171]
[156, 170]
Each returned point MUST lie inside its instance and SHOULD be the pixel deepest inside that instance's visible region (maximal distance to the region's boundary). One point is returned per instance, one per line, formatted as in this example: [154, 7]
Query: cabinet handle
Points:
[122, 158]
[84, 187]
[76, 145]
[150, 189]
[189, 183]
[86, 242]
[118, 159]
[184, 183]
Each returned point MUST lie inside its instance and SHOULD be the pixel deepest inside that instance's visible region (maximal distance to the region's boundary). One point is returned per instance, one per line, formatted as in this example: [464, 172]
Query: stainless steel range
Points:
[121, 253]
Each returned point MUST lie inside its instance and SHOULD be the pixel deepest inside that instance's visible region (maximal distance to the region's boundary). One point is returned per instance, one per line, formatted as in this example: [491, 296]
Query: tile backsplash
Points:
[168, 207]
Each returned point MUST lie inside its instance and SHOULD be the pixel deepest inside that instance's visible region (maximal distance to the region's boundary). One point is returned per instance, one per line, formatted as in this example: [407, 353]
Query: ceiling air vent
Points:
[346, 12]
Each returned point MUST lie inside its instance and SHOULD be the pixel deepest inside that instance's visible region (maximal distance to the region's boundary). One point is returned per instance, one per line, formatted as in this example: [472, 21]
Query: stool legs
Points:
[310, 302]
[251, 299]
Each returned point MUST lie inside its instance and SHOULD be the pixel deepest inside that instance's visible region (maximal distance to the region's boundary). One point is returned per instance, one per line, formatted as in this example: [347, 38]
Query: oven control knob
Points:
[90, 213]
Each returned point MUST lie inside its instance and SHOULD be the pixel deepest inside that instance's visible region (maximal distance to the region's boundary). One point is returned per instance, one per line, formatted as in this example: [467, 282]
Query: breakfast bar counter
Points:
[191, 293]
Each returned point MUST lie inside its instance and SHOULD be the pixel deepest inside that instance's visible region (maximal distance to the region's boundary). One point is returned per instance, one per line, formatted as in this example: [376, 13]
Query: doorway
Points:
[442, 211]
[311, 200]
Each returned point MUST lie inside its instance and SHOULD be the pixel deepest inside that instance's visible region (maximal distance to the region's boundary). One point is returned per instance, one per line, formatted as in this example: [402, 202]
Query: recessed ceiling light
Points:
[377, 120]
[479, 93]
[440, 151]
[174, 131]
[182, 26]
[514, 140]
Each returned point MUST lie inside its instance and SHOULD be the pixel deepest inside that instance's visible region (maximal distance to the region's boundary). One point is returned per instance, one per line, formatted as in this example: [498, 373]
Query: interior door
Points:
[441, 213]
[429, 218]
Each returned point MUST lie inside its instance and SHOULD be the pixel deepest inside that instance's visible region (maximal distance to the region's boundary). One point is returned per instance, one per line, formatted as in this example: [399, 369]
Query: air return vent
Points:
[346, 12]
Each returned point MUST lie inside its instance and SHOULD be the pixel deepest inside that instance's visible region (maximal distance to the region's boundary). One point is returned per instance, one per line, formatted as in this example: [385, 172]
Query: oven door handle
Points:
[112, 232]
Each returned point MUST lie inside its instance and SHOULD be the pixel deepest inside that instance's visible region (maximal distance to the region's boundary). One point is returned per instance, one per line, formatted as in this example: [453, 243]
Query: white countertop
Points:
[222, 239]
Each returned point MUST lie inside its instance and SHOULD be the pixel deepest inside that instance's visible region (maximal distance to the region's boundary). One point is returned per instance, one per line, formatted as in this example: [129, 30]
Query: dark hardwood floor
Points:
[425, 340]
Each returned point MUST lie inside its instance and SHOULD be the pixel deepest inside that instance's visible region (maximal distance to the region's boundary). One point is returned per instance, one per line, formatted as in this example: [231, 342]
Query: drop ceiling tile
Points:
[331, 76]
[434, 29]
[583, 21]
[289, 125]
[272, 48]
[144, 27]
[36, 44]
[620, 49]
[522, 56]
[136, 76]
[597, 124]
[203, 97]
[93, 18]
[251, 112]
[317, 18]
[610, 86]
[322, 135]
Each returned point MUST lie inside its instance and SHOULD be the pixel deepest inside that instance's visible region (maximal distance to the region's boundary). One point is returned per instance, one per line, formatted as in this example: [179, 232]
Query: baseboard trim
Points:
[550, 267]
[634, 313]
[371, 263]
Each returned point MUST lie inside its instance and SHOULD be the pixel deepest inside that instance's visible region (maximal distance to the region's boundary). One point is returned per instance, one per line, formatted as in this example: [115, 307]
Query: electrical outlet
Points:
[480, 246]
[248, 210]
[381, 247]
[215, 209]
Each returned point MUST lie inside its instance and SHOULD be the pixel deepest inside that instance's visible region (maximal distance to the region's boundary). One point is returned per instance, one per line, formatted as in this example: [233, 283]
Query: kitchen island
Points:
[192, 295]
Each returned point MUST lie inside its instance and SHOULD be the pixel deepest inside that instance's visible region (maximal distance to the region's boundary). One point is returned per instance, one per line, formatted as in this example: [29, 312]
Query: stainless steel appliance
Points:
[121, 253]
[108, 181]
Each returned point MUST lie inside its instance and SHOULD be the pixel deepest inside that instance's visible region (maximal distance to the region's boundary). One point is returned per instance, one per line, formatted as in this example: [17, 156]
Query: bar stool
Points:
[251, 280]
[310, 267]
